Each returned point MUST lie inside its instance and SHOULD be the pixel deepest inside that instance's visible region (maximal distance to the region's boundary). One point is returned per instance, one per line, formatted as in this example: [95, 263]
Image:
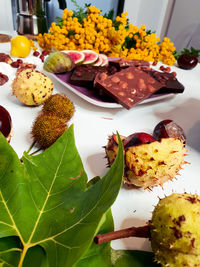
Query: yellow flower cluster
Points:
[34, 47]
[99, 33]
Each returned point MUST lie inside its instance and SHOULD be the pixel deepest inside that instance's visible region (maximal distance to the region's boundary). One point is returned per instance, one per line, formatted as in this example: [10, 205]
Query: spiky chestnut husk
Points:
[112, 147]
[32, 87]
[174, 230]
[47, 128]
[60, 105]
[153, 164]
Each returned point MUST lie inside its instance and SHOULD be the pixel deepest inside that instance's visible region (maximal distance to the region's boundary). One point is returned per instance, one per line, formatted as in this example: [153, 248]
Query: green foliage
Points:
[48, 214]
[129, 42]
[109, 15]
[59, 21]
[80, 12]
[192, 51]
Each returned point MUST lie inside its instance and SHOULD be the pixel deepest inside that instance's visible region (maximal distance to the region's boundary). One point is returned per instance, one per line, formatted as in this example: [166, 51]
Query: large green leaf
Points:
[45, 203]
[104, 255]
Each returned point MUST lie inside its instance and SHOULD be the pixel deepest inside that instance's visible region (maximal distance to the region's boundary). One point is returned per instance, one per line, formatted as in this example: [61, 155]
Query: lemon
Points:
[20, 46]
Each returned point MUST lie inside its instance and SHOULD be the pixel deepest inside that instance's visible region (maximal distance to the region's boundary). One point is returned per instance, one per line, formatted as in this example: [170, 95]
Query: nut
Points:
[103, 76]
[123, 84]
[129, 75]
[121, 93]
[115, 79]
[133, 91]
[151, 80]
[141, 84]
[151, 88]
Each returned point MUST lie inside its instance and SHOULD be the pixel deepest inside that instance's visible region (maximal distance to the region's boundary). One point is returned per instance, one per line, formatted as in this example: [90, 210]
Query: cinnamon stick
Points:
[142, 232]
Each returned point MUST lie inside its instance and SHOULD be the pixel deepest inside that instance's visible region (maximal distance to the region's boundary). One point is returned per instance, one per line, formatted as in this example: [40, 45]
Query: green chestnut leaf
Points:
[48, 215]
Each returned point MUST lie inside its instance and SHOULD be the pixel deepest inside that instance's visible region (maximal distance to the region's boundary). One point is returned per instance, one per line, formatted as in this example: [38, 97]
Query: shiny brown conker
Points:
[5, 122]
[168, 128]
[187, 62]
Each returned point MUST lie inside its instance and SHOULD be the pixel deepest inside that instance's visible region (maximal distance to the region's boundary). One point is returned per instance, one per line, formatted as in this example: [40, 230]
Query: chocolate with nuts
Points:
[124, 63]
[128, 86]
[168, 80]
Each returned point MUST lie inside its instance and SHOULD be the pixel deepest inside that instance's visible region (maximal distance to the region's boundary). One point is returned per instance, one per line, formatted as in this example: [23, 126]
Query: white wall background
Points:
[177, 19]
[184, 27]
[155, 14]
[6, 22]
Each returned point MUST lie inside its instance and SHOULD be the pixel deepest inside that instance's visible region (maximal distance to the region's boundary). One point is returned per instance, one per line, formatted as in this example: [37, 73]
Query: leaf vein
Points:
[63, 245]
[11, 217]
[10, 250]
[48, 195]
[78, 222]
[1, 222]
[60, 204]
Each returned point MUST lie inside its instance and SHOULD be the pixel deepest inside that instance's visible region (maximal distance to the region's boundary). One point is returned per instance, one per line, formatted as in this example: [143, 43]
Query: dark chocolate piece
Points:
[168, 80]
[128, 86]
[84, 75]
[124, 63]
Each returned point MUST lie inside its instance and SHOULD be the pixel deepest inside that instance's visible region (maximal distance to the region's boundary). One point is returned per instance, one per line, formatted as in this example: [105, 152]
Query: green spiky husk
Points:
[47, 128]
[174, 230]
[112, 147]
[60, 105]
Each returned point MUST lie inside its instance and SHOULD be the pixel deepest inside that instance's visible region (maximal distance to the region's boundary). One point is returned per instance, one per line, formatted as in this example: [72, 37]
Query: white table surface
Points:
[93, 124]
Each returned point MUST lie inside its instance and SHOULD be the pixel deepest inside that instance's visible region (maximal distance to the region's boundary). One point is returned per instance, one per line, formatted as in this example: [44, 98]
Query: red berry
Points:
[138, 139]
[42, 58]
[167, 129]
[15, 64]
[174, 73]
[154, 63]
[45, 53]
[168, 69]
[20, 61]
[36, 54]
[5, 122]
[162, 68]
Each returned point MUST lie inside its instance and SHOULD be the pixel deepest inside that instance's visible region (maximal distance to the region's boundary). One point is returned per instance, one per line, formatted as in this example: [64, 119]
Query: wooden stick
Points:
[142, 231]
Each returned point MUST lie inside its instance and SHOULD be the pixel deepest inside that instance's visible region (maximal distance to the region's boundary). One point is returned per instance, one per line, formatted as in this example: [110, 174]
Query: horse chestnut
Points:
[167, 129]
[138, 139]
[5, 123]
[187, 62]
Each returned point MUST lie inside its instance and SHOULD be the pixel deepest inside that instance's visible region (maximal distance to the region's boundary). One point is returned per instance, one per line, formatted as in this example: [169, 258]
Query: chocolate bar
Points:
[128, 86]
[169, 82]
[84, 75]
[124, 63]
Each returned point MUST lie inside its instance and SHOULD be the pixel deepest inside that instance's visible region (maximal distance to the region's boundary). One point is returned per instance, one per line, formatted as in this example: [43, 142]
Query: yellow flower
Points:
[99, 34]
